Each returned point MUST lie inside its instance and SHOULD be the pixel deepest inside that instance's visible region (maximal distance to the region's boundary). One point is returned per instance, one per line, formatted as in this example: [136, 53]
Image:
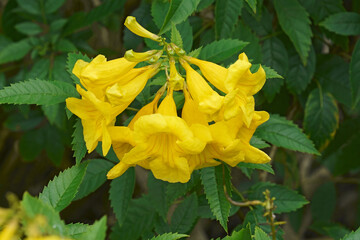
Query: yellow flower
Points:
[52, 237]
[208, 100]
[176, 81]
[163, 139]
[123, 139]
[136, 28]
[9, 230]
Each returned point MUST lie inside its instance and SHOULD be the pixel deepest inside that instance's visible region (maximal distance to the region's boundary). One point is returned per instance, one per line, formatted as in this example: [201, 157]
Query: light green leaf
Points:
[178, 12]
[295, 22]
[265, 167]
[260, 234]
[62, 189]
[15, 51]
[176, 37]
[258, 142]
[184, 216]
[34, 206]
[252, 4]
[71, 60]
[344, 23]
[299, 76]
[243, 234]
[286, 200]
[321, 117]
[226, 15]
[121, 191]
[95, 176]
[353, 235]
[221, 50]
[355, 75]
[76, 229]
[195, 53]
[28, 28]
[284, 133]
[212, 180]
[170, 236]
[271, 73]
[39, 92]
[276, 57]
[78, 143]
[97, 231]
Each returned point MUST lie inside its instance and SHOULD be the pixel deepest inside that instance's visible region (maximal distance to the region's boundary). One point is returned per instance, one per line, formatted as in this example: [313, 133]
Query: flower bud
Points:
[139, 30]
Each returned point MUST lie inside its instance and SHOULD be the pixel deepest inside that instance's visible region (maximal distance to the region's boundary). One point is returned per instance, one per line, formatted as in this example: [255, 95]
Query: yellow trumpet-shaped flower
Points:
[139, 30]
[176, 81]
[96, 116]
[123, 139]
[163, 139]
[9, 230]
[207, 99]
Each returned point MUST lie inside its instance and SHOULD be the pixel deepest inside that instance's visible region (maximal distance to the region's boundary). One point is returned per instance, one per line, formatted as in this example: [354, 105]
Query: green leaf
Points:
[276, 57]
[243, 234]
[31, 144]
[353, 235]
[97, 231]
[204, 4]
[95, 176]
[176, 37]
[299, 76]
[65, 45]
[332, 71]
[121, 191]
[295, 22]
[260, 234]
[265, 167]
[53, 144]
[284, 133]
[258, 142]
[53, 5]
[286, 200]
[28, 28]
[157, 194]
[226, 15]
[186, 32]
[76, 229]
[271, 73]
[78, 143]
[158, 13]
[170, 236]
[195, 53]
[344, 23]
[184, 216]
[32, 6]
[33, 207]
[62, 189]
[39, 92]
[321, 9]
[178, 12]
[323, 210]
[321, 117]
[221, 50]
[15, 51]
[71, 60]
[355, 74]
[212, 181]
[252, 4]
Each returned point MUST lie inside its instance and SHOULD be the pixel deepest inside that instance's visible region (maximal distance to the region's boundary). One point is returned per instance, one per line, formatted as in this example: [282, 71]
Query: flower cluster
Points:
[213, 127]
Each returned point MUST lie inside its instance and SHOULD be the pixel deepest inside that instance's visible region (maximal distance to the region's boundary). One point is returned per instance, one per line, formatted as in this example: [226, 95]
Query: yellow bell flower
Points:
[123, 139]
[139, 30]
[9, 230]
[208, 100]
[163, 139]
[96, 116]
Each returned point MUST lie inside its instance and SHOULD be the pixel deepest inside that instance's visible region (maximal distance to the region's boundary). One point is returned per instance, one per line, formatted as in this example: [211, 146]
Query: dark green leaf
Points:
[265, 167]
[204, 4]
[53, 144]
[321, 9]
[226, 15]
[170, 236]
[220, 50]
[178, 12]
[355, 75]
[95, 176]
[258, 142]
[157, 195]
[158, 13]
[299, 76]
[53, 5]
[252, 4]
[212, 181]
[121, 191]
[31, 144]
[286, 200]
[28, 28]
[65, 45]
[344, 23]
[38, 92]
[295, 22]
[62, 189]
[71, 60]
[39, 70]
[321, 117]
[78, 143]
[15, 51]
[284, 133]
[185, 215]
[32, 6]
[323, 210]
